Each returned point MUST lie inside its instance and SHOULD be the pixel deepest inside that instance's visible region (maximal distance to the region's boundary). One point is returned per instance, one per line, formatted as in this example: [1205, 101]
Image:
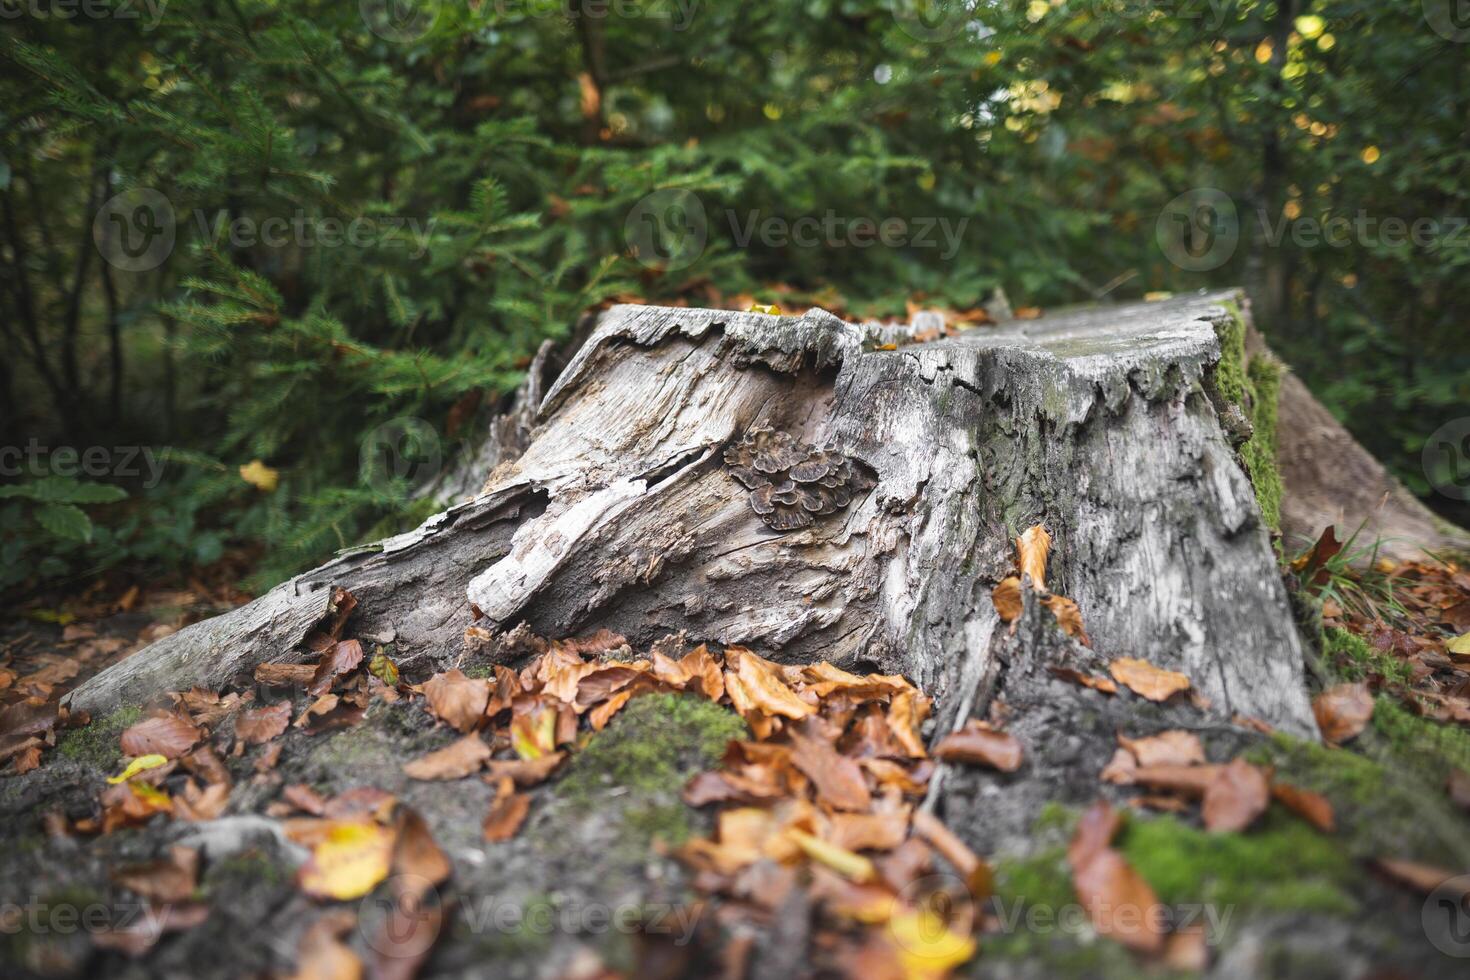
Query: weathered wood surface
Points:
[620, 512]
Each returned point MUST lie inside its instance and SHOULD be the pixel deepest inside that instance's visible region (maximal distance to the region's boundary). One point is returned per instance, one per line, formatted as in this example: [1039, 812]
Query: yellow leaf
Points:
[140, 764]
[260, 476]
[852, 866]
[1460, 644]
[349, 860]
[533, 735]
[926, 946]
[772, 309]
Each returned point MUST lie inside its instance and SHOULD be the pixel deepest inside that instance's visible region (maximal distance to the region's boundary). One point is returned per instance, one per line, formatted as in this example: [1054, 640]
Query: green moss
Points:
[1042, 879]
[1253, 384]
[1282, 865]
[1353, 659]
[1434, 748]
[96, 744]
[649, 751]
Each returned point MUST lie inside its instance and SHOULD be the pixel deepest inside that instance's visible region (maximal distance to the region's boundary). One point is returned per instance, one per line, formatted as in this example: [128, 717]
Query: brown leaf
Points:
[29, 757]
[1086, 680]
[419, 863]
[32, 716]
[972, 867]
[1143, 678]
[838, 780]
[507, 813]
[456, 760]
[1343, 711]
[167, 880]
[305, 799]
[321, 954]
[197, 805]
[1007, 599]
[1120, 768]
[702, 666]
[906, 712]
[1311, 807]
[976, 745]
[524, 772]
[1190, 780]
[599, 716]
[1119, 902]
[260, 725]
[167, 735]
[341, 659]
[1310, 565]
[869, 831]
[761, 687]
[205, 763]
[1032, 548]
[1096, 828]
[1236, 796]
[457, 700]
[1068, 617]
[1175, 747]
[1423, 878]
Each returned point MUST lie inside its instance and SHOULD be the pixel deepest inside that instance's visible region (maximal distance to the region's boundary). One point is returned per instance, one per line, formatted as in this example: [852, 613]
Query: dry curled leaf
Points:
[456, 760]
[1117, 899]
[507, 812]
[347, 861]
[1343, 711]
[340, 659]
[1175, 747]
[1032, 548]
[1007, 599]
[1311, 807]
[457, 700]
[1237, 794]
[980, 746]
[260, 725]
[167, 735]
[1146, 680]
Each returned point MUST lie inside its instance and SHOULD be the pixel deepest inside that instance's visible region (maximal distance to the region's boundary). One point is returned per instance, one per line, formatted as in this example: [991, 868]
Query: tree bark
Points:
[619, 510]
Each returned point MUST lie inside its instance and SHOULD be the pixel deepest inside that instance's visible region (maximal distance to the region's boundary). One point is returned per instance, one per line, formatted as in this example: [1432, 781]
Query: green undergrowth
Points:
[646, 754]
[1254, 384]
[1353, 659]
[96, 744]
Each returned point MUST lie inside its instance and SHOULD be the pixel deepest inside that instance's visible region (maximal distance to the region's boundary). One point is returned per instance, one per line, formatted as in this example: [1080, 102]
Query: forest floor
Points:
[576, 808]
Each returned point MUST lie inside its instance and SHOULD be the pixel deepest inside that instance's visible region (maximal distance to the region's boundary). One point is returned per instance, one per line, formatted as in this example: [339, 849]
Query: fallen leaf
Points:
[524, 772]
[141, 764]
[260, 476]
[869, 831]
[419, 863]
[762, 687]
[906, 712]
[457, 700]
[1096, 828]
[1086, 680]
[321, 954]
[852, 866]
[1235, 797]
[533, 728]
[926, 945]
[166, 880]
[195, 804]
[1191, 780]
[348, 862]
[166, 735]
[456, 760]
[1343, 711]
[384, 669]
[339, 660]
[1175, 747]
[1032, 548]
[1146, 680]
[305, 799]
[1423, 878]
[1120, 768]
[1311, 807]
[259, 725]
[838, 780]
[1119, 902]
[507, 812]
[1459, 645]
[599, 716]
[1007, 599]
[1068, 617]
[980, 746]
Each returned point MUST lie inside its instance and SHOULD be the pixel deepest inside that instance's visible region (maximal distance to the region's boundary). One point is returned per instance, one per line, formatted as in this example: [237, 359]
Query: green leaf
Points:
[65, 521]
